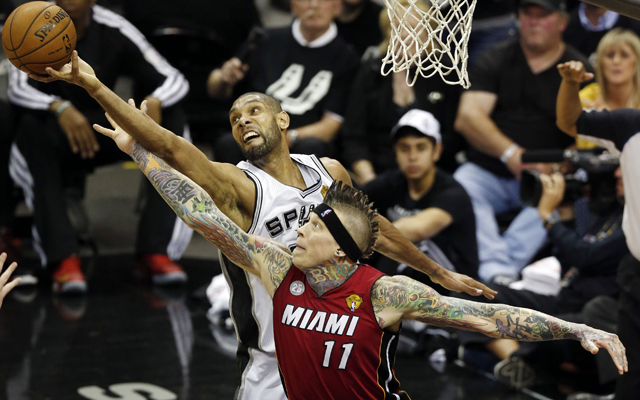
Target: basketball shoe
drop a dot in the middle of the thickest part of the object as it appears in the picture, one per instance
(68, 277)
(161, 269)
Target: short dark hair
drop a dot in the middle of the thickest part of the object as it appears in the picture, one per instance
(358, 215)
(273, 104)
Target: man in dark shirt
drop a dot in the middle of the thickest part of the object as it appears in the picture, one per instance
(358, 24)
(510, 108)
(589, 23)
(426, 204)
(306, 67)
(56, 147)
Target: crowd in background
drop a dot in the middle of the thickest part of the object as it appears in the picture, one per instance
(447, 166)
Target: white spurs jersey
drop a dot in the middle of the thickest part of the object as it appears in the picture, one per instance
(279, 211)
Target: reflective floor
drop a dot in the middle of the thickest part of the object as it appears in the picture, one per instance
(128, 340)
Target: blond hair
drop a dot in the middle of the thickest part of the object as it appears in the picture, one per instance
(612, 38)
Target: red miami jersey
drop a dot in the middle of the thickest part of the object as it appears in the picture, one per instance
(331, 346)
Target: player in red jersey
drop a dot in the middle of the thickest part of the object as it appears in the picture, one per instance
(336, 320)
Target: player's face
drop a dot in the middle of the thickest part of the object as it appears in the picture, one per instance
(77, 9)
(416, 156)
(410, 27)
(540, 29)
(314, 245)
(316, 15)
(619, 64)
(254, 127)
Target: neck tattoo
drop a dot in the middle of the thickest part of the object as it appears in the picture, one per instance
(326, 277)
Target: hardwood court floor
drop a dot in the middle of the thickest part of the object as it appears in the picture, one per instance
(126, 336)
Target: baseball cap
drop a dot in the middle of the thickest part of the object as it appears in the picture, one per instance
(422, 121)
(551, 5)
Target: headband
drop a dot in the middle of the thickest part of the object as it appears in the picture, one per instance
(339, 232)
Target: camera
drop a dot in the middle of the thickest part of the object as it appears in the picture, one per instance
(593, 177)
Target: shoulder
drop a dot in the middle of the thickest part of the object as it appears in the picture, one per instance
(336, 169)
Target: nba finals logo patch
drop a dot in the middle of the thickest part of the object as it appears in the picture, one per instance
(296, 288)
(353, 302)
(324, 190)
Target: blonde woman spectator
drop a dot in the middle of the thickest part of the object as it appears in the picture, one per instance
(4, 286)
(617, 75)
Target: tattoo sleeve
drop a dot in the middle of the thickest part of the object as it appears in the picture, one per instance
(401, 297)
(197, 209)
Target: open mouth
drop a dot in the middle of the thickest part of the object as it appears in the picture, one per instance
(249, 135)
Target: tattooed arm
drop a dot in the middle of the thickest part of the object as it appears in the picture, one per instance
(396, 298)
(263, 257)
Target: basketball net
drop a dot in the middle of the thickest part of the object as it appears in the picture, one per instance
(429, 42)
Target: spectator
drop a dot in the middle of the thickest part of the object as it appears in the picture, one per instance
(589, 23)
(617, 73)
(45, 165)
(589, 263)
(494, 21)
(508, 110)
(377, 102)
(358, 24)
(426, 204)
(306, 67)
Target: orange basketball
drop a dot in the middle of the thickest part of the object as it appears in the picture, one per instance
(37, 35)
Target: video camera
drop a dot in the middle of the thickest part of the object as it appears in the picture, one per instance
(594, 170)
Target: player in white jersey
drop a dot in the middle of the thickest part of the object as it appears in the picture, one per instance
(280, 210)
(259, 126)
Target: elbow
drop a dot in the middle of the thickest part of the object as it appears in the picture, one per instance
(461, 124)
(567, 127)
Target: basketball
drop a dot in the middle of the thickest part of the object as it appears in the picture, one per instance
(38, 35)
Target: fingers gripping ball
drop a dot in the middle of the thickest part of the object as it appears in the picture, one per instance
(38, 35)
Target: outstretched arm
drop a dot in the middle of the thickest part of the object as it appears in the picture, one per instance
(399, 297)
(261, 256)
(394, 245)
(175, 150)
(568, 106)
(5, 287)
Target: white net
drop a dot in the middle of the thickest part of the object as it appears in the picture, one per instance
(429, 40)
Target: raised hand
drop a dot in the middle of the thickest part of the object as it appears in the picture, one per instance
(76, 71)
(594, 339)
(124, 141)
(574, 71)
(5, 287)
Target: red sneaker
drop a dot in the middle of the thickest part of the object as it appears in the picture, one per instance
(162, 269)
(68, 277)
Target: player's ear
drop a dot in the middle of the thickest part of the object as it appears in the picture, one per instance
(283, 120)
(437, 152)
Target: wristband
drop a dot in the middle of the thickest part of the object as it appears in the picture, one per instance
(551, 219)
(65, 104)
(506, 155)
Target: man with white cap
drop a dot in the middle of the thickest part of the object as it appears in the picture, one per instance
(426, 204)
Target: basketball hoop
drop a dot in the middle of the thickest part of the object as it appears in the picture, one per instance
(429, 42)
